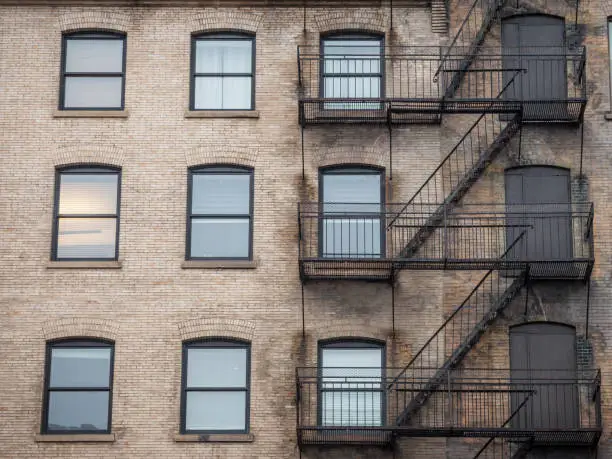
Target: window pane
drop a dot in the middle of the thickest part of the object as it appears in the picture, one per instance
(352, 358)
(74, 367)
(216, 411)
(352, 189)
(351, 408)
(219, 194)
(94, 55)
(78, 410)
(92, 92)
(88, 194)
(223, 56)
(86, 238)
(223, 93)
(216, 368)
(220, 237)
(353, 88)
(352, 56)
(355, 237)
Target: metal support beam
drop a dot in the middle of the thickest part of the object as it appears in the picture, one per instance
(588, 308)
(302, 140)
(303, 315)
(581, 147)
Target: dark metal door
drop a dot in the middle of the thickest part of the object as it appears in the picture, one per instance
(536, 43)
(543, 359)
(538, 202)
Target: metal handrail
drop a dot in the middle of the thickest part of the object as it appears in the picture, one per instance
(455, 312)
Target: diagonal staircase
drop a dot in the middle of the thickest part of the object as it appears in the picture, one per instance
(467, 42)
(458, 334)
(454, 176)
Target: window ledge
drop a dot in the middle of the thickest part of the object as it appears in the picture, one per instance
(90, 114)
(218, 264)
(221, 114)
(111, 264)
(87, 438)
(608, 116)
(212, 438)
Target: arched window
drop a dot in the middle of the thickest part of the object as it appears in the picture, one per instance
(351, 200)
(352, 69)
(86, 215)
(220, 216)
(78, 387)
(351, 383)
(93, 71)
(215, 386)
(222, 72)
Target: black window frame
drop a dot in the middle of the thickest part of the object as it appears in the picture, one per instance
(88, 35)
(352, 169)
(78, 343)
(221, 36)
(84, 169)
(215, 343)
(609, 33)
(352, 35)
(352, 343)
(220, 169)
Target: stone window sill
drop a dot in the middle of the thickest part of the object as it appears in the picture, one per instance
(90, 114)
(84, 438)
(214, 438)
(219, 264)
(84, 264)
(221, 114)
(608, 116)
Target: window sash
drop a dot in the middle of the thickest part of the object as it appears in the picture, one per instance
(60, 216)
(107, 389)
(222, 75)
(215, 345)
(111, 74)
(191, 217)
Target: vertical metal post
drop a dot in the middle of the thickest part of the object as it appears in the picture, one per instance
(581, 147)
(303, 315)
(390, 197)
(302, 139)
(393, 309)
(391, 13)
(588, 308)
(520, 142)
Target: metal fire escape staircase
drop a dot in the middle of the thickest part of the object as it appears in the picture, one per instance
(489, 134)
(459, 333)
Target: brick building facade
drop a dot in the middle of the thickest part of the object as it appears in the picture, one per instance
(445, 138)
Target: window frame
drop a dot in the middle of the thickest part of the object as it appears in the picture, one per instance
(88, 35)
(84, 169)
(221, 36)
(80, 343)
(219, 169)
(351, 343)
(609, 30)
(351, 169)
(352, 35)
(215, 343)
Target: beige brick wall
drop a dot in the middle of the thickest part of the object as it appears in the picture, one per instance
(150, 305)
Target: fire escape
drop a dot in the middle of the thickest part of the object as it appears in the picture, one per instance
(433, 395)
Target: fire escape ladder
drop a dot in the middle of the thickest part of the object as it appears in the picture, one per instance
(462, 51)
(448, 346)
(454, 176)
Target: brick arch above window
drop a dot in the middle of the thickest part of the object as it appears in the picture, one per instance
(76, 19)
(88, 154)
(353, 19)
(325, 157)
(82, 327)
(204, 155)
(226, 19)
(216, 327)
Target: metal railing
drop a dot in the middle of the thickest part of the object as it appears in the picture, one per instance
(407, 84)
(342, 239)
(361, 405)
